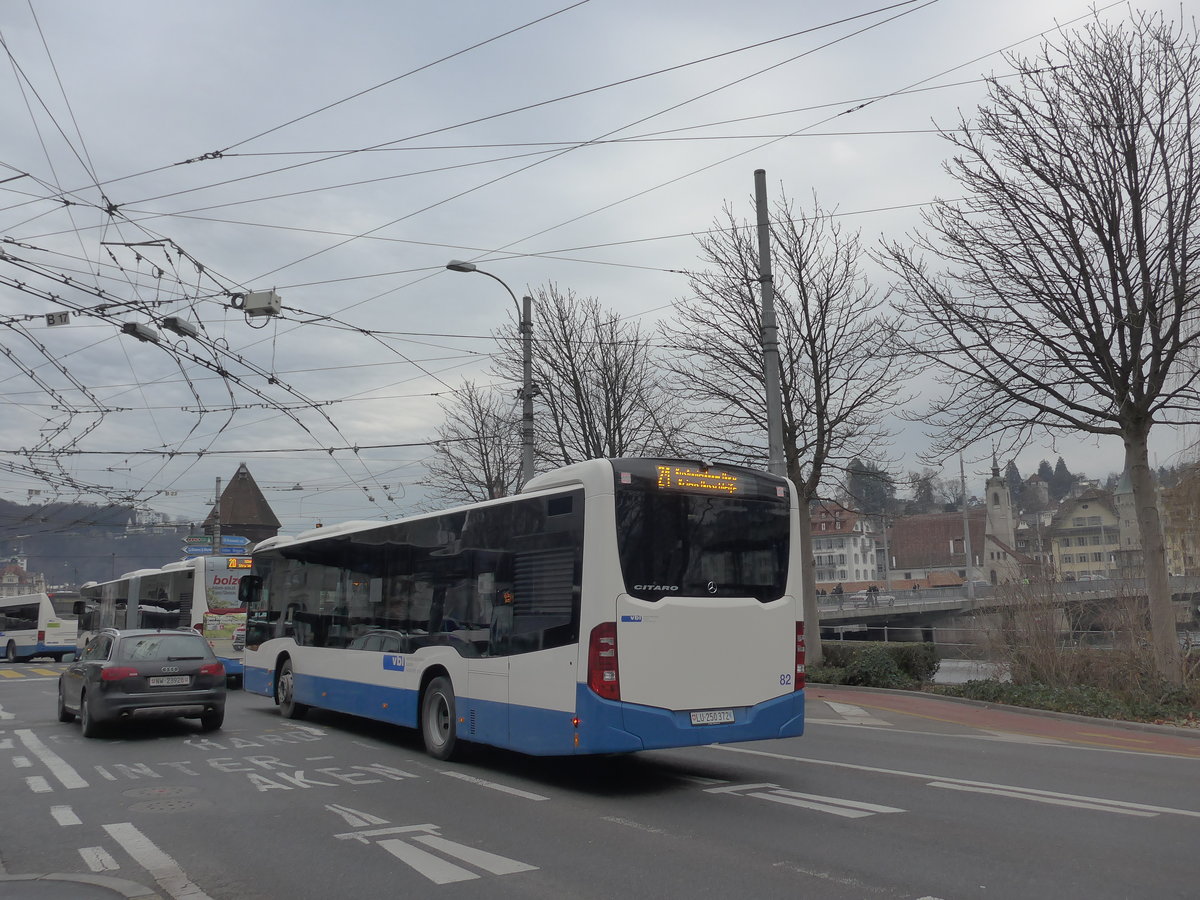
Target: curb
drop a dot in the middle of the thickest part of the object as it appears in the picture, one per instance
(128, 889)
(1148, 727)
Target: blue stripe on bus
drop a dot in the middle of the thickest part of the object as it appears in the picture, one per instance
(605, 726)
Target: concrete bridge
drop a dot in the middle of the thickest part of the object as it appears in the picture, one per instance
(958, 623)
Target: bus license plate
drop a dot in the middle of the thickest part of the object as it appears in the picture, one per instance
(169, 680)
(712, 717)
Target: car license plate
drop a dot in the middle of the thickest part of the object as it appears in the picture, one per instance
(712, 717)
(169, 680)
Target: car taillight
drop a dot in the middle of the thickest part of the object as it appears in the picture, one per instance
(212, 669)
(798, 681)
(602, 662)
(116, 673)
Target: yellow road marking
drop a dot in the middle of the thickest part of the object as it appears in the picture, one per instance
(9, 673)
(1113, 737)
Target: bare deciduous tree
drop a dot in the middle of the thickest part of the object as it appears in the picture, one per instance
(478, 454)
(1063, 296)
(837, 379)
(598, 383)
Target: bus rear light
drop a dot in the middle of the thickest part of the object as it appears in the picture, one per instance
(603, 676)
(798, 681)
(117, 673)
(41, 637)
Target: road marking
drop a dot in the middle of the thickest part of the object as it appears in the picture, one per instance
(64, 816)
(1019, 794)
(98, 859)
(38, 784)
(435, 868)
(6, 715)
(9, 673)
(481, 859)
(1191, 813)
(516, 792)
(56, 764)
(22, 762)
(855, 714)
(1114, 737)
(848, 809)
(50, 672)
(353, 817)
(170, 877)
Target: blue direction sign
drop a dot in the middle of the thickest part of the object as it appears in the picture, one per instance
(234, 540)
(196, 550)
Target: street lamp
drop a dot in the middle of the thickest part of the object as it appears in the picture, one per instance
(525, 310)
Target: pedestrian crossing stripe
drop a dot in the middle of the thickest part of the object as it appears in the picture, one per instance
(24, 673)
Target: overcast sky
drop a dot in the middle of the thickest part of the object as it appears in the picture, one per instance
(173, 154)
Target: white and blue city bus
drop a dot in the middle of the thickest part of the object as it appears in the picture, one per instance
(612, 606)
(33, 625)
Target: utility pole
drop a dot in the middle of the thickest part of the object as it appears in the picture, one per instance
(776, 464)
(962, 477)
(216, 535)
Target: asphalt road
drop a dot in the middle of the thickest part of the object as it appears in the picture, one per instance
(887, 795)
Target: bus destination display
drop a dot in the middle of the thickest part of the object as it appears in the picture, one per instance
(689, 478)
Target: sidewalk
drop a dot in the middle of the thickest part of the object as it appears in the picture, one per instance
(1104, 733)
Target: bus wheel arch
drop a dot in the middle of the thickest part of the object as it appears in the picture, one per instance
(438, 724)
(285, 690)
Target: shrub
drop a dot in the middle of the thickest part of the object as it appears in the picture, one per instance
(916, 662)
(874, 666)
(826, 675)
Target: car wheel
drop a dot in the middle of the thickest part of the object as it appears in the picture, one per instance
(285, 693)
(437, 719)
(64, 714)
(10, 652)
(87, 722)
(211, 721)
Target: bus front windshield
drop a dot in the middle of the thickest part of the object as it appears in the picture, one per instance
(676, 543)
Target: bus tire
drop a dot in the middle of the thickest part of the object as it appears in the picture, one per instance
(437, 719)
(88, 724)
(64, 714)
(285, 694)
(10, 652)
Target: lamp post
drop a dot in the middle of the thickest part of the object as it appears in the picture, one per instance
(525, 311)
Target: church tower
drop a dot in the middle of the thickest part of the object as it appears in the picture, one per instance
(999, 556)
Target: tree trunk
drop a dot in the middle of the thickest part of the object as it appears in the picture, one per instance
(1165, 642)
(808, 585)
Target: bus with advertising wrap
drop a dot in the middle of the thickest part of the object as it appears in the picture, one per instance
(612, 606)
(199, 593)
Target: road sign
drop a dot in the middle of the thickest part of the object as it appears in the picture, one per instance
(196, 550)
(234, 540)
(198, 539)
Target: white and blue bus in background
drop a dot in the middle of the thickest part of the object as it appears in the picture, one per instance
(31, 626)
(612, 606)
(199, 593)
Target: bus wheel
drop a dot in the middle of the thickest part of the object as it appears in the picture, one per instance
(285, 694)
(10, 652)
(437, 719)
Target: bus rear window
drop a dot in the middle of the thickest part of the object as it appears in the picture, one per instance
(678, 543)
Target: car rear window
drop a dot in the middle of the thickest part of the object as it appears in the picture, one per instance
(163, 646)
